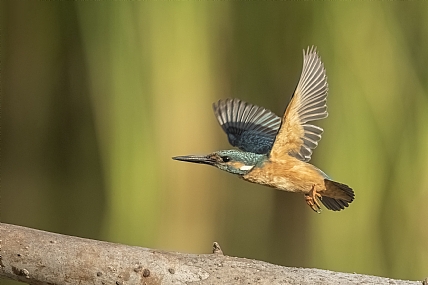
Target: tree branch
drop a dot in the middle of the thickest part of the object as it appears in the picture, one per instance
(39, 257)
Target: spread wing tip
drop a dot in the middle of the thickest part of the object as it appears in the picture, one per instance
(309, 103)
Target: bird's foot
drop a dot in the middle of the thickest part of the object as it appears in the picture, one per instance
(312, 199)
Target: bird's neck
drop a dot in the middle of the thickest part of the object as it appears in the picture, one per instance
(251, 160)
(254, 158)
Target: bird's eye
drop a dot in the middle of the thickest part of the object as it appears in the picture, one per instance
(225, 158)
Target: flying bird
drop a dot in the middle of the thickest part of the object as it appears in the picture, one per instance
(276, 152)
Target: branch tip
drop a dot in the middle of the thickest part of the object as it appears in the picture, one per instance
(217, 248)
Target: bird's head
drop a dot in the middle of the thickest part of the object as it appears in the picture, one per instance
(232, 161)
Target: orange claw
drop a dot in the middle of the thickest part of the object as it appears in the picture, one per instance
(312, 199)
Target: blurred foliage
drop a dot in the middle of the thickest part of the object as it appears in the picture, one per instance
(98, 96)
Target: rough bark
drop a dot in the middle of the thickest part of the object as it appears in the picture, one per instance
(39, 257)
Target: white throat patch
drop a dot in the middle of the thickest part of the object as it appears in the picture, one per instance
(246, 167)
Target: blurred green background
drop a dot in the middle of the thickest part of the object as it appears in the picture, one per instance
(98, 96)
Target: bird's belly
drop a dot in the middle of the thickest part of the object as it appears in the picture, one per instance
(278, 182)
(286, 184)
(300, 178)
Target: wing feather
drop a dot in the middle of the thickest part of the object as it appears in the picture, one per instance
(248, 127)
(308, 103)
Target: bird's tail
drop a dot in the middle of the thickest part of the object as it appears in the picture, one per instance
(337, 196)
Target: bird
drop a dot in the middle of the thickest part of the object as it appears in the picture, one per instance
(276, 151)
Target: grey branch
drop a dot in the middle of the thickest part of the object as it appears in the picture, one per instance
(39, 257)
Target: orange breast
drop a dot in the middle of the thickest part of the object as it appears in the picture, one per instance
(289, 174)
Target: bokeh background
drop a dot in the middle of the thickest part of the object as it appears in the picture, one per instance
(98, 96)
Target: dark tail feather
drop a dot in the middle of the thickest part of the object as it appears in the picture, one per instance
(337, 196)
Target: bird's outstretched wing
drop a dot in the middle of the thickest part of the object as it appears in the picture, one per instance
(248, 127)
(308, 103)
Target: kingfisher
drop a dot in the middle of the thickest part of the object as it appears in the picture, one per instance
(276, 151)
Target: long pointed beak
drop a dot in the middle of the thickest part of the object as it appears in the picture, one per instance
(196, 159)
